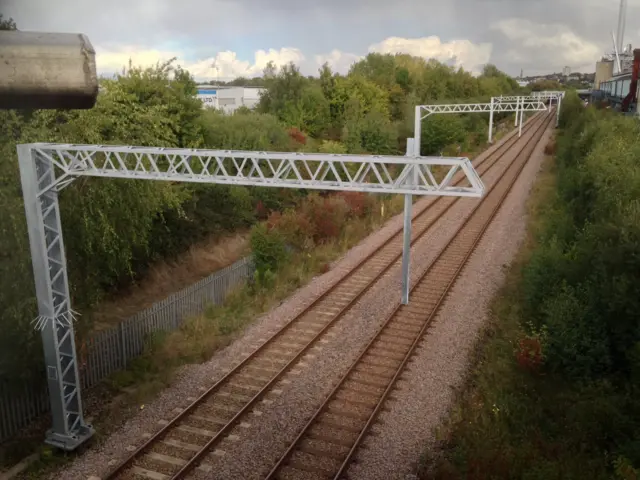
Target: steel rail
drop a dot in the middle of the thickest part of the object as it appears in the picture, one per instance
(282, 462)
(489, 158)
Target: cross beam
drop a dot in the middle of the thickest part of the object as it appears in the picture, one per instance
(549, 96)
(528, 98)
(423, 111)
(548, 93)
(46, 168)
(362, 173)
(533, 105)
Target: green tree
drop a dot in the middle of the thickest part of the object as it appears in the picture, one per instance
(7, 24)
(294, 99)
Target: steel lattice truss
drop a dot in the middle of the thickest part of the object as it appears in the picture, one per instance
(546, 95)
(365, 173)
(532, 105)
(45, 169)
(516, 98)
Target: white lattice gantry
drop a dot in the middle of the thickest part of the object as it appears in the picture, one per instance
(364, 173)
(519, 106)
(45, 169)
(532, 105)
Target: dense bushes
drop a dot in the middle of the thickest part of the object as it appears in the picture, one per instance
(317, 220)
(583, 281)
(565, 404)
(371, 110)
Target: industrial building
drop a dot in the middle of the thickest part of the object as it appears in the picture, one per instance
(228, 99)
(616, 78)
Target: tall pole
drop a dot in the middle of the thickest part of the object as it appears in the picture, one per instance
(521, 116)
(558, 111)
(491, 120)
(413, 149)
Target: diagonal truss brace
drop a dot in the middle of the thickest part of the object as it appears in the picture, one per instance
(527, 98)
(532, 105)
(364, 173)
(45, 169)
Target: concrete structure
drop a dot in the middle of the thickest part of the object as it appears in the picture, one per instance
(47, 70)
(228, 99)
(604, 72)
(566, 71)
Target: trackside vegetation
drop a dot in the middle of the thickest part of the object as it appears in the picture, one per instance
(116, 230)
(555, 390)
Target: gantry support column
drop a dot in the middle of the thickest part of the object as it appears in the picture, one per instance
(55, 318)
(413, 148)
(491, 122)
(521, 119)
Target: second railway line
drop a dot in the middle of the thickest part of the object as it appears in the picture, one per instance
(185, 441)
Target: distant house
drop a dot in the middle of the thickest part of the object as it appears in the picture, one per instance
(228, 99)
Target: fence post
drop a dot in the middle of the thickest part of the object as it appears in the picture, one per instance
(123, 344)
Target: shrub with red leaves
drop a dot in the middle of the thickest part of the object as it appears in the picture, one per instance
(550, 148)
(328, 214)
(297, 136)
(261, 211)
(357, 203)
(297, 229)
(529, 354)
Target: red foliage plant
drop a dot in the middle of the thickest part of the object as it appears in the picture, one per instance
(356, 201)
(529, 354)
(328, 215)
(297, 136)
(550, 148)
(261, 211)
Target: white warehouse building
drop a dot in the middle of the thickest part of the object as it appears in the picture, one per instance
(228, 99)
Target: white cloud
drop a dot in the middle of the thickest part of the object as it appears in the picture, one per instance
(552, 44)
(337, 60)
(462, 53)
(110, 60)
(228, 65)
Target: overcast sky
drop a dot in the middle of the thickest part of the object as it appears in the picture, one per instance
(241, 36)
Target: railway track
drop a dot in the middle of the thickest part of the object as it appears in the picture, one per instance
(326, 445)
(182, 443)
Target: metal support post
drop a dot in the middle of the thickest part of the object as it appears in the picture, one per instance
(515, 122)
(406, 248)
(406, 240)
(491, 121)
(558, 112)
(55, 318)
(521, 118)
(417, 131)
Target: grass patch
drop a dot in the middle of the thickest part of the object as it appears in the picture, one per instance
(511, 420)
